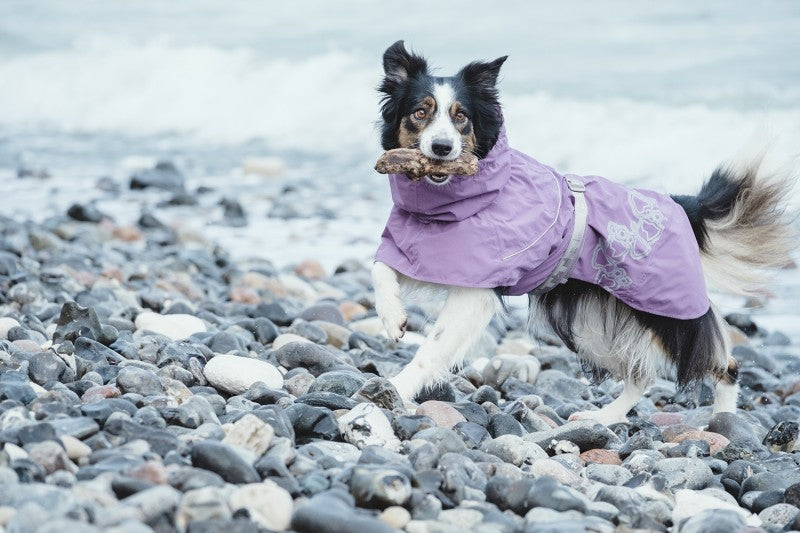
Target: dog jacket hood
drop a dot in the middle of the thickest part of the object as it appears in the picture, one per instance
(510, 224)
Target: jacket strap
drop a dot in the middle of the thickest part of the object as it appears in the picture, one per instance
(561, 272)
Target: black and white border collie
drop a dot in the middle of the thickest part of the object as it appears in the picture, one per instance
(737, 220)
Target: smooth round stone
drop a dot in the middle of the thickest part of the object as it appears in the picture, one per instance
(139, 381)
(406, 426)
(176, 327)
(333, 511)
(75, 448)
(197, 505)
(444, 414)
(684, 472)
(713, 520)
(327, 312)
(234, 374)
(379, 487)
(781, 514)
(715, 441)
(473, 434)
(285, 338)
(313, 357)
(608, 474)
(395, 516)
(504, 424)
(223, 460)
(46, 366)
(512, 449)
(7, 323)
(153, 502)
(268, 504)
(338, 381)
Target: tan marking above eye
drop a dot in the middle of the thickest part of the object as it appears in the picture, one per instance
(457, 113)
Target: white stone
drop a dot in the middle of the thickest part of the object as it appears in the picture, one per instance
(555, 470)
(285, 338)
(267, 503)
(395, 516)
(75, 448)
(235, 374)
(365, 425)
(15, 452)
(690, 502)
(263, 166)
(202, 504)
(371, 326)
(463, 518)
(249, 432)
(6, 323)
(175, 327)
(512, 449)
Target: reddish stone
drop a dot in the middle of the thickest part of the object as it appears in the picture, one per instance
(244, 295)
(671, 432)
(152, 471)
(127, 233)
(715, 441)
(444, 414)
(351, 310)
(600, 456)
(547, 420)
(310, 269)
(666, 419)
(100, 391)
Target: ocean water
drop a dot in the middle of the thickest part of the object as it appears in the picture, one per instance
(651, 94)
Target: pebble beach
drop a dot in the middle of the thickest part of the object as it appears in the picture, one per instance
(188, 339)
(151, 380)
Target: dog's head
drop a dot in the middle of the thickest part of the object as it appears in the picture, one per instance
(442, 116)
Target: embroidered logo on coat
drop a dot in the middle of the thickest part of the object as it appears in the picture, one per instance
(633, 242)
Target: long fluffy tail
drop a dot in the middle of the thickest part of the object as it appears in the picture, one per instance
(742, 225)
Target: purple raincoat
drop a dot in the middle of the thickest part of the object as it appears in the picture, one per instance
(510, 224)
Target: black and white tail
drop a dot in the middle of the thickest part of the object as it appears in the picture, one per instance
(743, 226)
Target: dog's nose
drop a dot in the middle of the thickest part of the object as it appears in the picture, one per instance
(441, 147)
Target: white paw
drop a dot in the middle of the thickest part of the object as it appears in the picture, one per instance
(393, 315)
(407, 383)
(603, 417)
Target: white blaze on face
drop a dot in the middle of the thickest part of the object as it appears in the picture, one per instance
(441, 130)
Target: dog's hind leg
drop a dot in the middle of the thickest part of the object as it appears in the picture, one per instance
(726, 392)
(617, 410)
(465, 315)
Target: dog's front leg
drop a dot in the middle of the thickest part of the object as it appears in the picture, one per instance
(388, 303)
(465, 315)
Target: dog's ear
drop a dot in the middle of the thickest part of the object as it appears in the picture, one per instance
(483, 74)
(399, 64)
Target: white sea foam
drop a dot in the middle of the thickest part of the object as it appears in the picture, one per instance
(326, 104)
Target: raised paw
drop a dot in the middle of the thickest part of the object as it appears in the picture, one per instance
(394, 318)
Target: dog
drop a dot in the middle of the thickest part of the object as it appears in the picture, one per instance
(618, 274)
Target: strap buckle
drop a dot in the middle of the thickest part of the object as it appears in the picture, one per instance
(576, 185)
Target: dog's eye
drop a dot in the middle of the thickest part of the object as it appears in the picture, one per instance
(420, 114)
(460, 117)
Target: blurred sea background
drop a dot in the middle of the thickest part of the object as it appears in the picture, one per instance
(651, 94)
